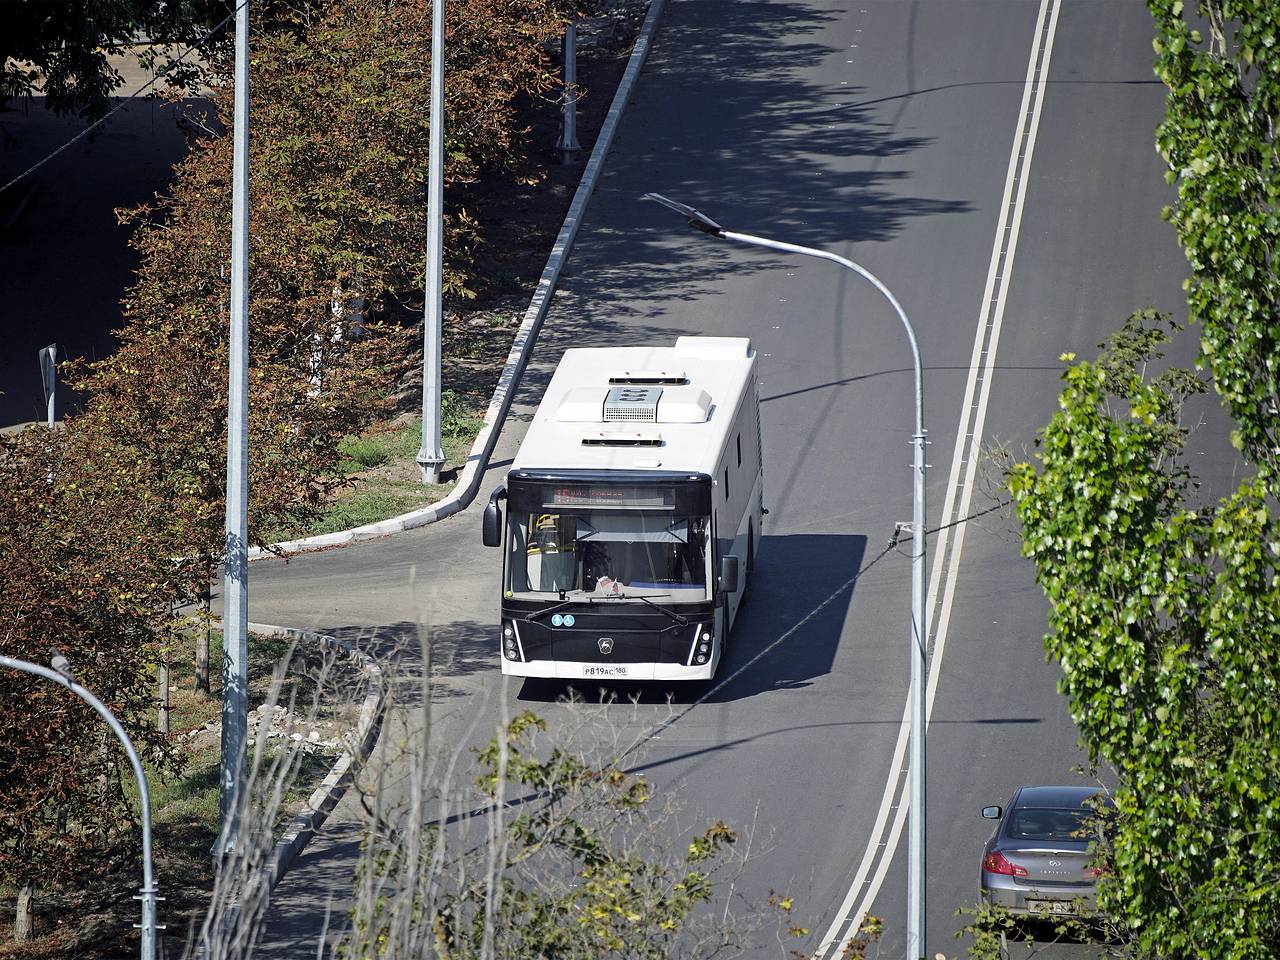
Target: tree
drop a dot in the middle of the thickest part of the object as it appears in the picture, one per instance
(60, 49)
(337, 186)
(1164, 611)
(569, 862)
(1165, 618)
(1219, 140)
(86, 569)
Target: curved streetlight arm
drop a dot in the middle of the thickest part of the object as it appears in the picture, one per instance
(862, 272)
(917, 632)
(148, 892)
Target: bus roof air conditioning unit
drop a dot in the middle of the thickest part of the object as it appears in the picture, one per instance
(632, 403)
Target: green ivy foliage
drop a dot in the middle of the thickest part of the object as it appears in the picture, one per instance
(1165, 619)
(1221, 63)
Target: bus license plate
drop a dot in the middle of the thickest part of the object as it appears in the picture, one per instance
(604, 671)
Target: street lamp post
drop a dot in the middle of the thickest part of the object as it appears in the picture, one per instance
(917, 635)
(235, 578)
(430, 457)
(568, 144)
(147, 894)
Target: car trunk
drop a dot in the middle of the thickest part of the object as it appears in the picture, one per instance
(1049, 865)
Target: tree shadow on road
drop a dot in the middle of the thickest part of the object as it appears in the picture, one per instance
(458, 650)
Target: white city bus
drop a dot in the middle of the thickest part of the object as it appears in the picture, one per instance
(633, 513)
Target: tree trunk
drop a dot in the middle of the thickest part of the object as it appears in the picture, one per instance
(162, 722)
(202, 645)
(24, 920)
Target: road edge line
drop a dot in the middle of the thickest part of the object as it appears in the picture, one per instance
(1033, 95)
(526, 338)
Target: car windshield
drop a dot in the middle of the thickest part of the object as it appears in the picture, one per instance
(607, 553)
(1047, 824)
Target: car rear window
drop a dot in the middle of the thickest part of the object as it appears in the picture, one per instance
(1034, 824)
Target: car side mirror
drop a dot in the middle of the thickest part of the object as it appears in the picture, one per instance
(492, 523)
(729, 574)
(992, 813)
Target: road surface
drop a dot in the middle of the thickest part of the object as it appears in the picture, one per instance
(884, 131)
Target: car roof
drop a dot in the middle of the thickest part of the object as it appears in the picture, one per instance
(1057, 797)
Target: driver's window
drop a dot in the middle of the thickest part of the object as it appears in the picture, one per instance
(549, 549)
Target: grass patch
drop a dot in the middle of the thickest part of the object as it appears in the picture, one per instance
(383, 476)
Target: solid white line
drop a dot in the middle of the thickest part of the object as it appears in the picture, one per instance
(966, 456)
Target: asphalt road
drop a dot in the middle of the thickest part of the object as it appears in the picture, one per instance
(883, 131)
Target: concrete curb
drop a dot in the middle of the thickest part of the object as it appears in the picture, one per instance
(326, 796)
(261, 882)
(526, 337)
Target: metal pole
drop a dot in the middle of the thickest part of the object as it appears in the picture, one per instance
(49, 375)
(917, 635)
(235, 582)
(919, 667)
(568, 145)
(430, 454)
(148, 892)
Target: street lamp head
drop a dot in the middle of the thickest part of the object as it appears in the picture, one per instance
(699, 221)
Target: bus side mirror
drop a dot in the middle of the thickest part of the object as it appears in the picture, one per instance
(729, 574)
(492, 526)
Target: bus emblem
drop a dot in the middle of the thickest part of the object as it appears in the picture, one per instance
(606, 645)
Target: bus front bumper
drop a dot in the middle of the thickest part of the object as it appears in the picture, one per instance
(569, 670)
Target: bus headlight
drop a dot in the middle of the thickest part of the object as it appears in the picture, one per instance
(699, 648)
(510, 648)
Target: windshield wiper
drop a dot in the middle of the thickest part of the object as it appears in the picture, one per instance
(617, 596)
(670, 613)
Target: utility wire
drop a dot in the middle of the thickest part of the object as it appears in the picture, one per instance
(125, 103)
(656, 729)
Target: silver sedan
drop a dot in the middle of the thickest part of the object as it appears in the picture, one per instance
(1037, 862)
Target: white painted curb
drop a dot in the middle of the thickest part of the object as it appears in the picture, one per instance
(262, 881)
(526, 337)
(326, 796)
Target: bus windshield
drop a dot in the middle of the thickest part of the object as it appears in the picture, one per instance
(607, 553)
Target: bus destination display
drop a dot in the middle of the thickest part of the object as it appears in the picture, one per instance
(612, 495)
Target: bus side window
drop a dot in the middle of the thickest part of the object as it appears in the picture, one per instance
(739, 449)
(726, 483)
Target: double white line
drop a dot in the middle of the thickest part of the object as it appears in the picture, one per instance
(879, 852)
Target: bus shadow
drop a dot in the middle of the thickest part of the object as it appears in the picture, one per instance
(786, 634)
